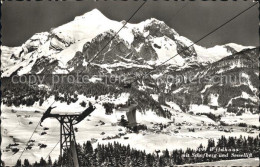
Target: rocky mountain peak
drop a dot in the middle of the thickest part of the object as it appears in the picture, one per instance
(159, 28)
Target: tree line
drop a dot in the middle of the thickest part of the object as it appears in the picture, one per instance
(116, 154)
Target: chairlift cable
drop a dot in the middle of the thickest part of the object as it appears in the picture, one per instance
(32, 135)
(52, 149)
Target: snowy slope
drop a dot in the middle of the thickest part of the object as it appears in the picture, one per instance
(215, 53)
(7, 59)
(88, 26)
(16, 129)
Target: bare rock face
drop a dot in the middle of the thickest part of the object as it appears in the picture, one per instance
(77, 60)
(230, 49)
(44, 66)
(35, 41)
(158, 29)
(148, 53)
(58, 42)
(185, 51)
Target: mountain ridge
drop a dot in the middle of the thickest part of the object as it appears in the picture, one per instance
(158, 39)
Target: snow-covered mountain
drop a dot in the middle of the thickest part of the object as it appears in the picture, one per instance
(229, 82)
(218, 85)
(69, 49)
(72, 45)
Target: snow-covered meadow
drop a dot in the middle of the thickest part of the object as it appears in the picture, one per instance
(18, 124)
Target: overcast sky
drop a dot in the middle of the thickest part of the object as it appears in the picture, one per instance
(20, 20)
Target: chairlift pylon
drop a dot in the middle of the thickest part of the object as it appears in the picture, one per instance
(67, 135)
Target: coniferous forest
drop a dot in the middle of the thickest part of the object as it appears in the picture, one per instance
(118, 155)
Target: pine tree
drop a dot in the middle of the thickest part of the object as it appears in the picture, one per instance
(161, 163)
(94, 161)
(99, 156)
(26, 163)
(239, 142)
(149, 160)
(2, 163)
(42, 162)
(35, 164)
(55, 163)
(231, 142)
(49, 161)
(245, 145)
(41, 101)
(88, 149)
(18, 163)
(166, 154)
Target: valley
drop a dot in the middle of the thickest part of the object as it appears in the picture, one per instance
(16, 128)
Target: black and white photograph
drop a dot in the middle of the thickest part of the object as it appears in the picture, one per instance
(137, 83)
